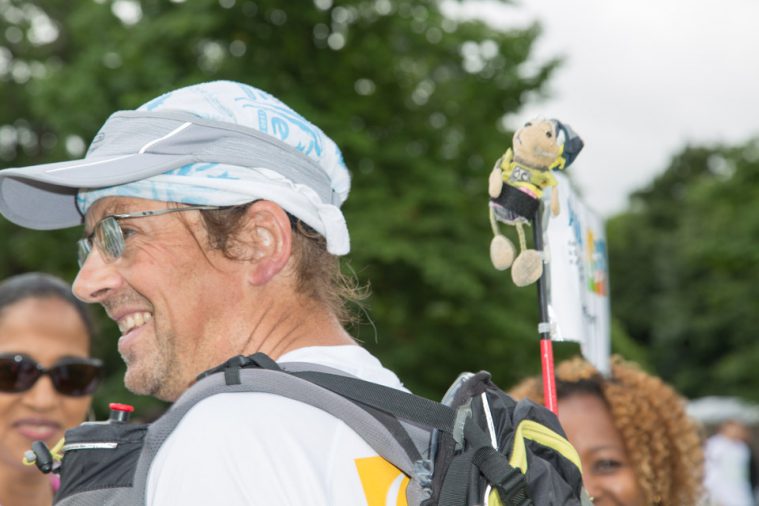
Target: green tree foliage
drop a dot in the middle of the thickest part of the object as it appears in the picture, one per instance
(684, 266)
(414, 99)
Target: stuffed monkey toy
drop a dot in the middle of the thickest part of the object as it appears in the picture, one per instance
(516, 187)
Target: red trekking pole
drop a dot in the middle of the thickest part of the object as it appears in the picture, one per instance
(544, 326)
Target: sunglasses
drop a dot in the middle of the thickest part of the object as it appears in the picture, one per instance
(108, 235)
(74, 377)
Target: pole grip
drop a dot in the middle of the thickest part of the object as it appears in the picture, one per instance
(549, 380)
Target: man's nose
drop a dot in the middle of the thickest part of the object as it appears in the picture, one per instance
(96, 278)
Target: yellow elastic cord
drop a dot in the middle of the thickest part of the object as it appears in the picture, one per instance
(529, 429)
(57, 450)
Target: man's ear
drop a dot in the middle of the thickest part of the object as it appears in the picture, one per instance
(268, 236)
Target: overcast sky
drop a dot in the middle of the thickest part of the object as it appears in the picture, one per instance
(641, 79)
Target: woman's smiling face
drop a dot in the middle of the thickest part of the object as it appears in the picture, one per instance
(46, 330)
(608, 474)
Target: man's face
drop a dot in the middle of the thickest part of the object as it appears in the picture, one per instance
(173, 299)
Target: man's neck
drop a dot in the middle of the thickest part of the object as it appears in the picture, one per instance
(274, 324)
(299, 328)
(277, 325)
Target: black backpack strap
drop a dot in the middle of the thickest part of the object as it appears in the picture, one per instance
(395, 427)
(231, 367)
(413, 437)
(494, 466)
(509, 481)
(457, 478)
(403, 405)
(385, 404)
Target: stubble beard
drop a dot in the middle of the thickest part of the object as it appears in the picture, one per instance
(156, 371)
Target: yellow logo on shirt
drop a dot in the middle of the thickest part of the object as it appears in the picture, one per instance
(384, 484)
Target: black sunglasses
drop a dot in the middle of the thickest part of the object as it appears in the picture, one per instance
(74, 377)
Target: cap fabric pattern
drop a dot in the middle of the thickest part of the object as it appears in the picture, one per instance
(218, 143)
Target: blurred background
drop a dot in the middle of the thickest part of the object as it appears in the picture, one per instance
(423, 97)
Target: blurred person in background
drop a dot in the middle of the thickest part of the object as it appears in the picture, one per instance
(753, 473)
(46, 378)
(728, 465)
(636, 443)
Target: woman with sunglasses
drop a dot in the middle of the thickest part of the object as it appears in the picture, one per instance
(46, 377)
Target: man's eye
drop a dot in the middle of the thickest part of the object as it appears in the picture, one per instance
(606, 465)
(127, 232)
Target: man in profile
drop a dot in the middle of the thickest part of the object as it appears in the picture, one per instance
(212, 228)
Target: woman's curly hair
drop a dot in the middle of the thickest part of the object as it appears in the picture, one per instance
(663, 443)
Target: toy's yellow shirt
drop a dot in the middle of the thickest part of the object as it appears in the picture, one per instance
(529, 180)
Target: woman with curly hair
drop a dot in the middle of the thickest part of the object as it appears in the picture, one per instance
(636, 443)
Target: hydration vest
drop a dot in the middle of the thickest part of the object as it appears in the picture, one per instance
(476, 447)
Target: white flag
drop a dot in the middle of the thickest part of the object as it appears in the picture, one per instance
(577, 275)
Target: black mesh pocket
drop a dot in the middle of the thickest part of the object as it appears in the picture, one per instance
(100, 456)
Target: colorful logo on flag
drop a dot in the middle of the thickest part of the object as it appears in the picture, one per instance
(595, 259)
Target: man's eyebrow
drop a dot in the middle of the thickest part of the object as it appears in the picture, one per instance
(108, 210)
(115, 208)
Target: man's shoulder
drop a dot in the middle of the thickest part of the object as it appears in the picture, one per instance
(351, 359)
(254, 413)
(270, 412)
(234, 439)
(249, 446)
(260, 419)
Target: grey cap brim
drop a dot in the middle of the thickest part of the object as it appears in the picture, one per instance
(43, 197)
(136, 145)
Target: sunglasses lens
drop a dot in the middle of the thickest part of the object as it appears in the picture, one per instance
(110, 238)
(76, 378)
(83, 251)
(17, 374)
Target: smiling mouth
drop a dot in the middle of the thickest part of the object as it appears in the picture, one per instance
(133, 321)
(37, 429)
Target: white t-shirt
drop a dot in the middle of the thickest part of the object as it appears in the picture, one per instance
(262, 449)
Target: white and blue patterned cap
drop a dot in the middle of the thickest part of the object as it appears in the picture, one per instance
(217, 143)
